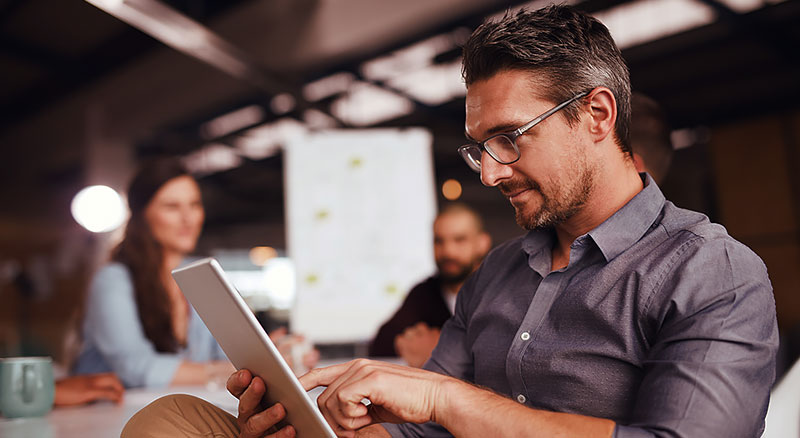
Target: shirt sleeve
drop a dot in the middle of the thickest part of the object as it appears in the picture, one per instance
(452, 355)
(712, 363)
(112, 324)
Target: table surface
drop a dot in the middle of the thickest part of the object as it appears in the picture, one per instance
(103, 419)
(106, 419)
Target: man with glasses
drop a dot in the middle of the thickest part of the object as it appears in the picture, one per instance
(618, 314)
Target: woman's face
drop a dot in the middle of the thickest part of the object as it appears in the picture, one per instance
(175, 215)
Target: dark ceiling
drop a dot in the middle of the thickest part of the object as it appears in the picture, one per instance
(61, 57)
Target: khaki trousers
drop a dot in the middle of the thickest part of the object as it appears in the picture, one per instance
(181, 415)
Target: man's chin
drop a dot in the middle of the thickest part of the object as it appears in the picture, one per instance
(525, 219)
(453, 278)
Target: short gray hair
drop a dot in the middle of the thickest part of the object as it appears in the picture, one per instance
(572, 50)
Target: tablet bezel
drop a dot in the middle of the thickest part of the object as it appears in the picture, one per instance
(247, 345)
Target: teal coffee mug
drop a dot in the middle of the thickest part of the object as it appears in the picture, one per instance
(26, 386)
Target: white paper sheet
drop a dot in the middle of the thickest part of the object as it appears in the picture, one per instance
(360, 208)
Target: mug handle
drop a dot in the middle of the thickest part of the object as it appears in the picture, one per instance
(28, 383)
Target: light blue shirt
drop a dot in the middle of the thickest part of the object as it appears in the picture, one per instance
(114, 339)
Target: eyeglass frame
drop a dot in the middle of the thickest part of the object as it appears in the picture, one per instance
(512, 135)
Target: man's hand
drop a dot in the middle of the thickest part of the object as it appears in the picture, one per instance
(403, 394)
(416, 344)
(77, 390)
(397, 394)
(254, 419)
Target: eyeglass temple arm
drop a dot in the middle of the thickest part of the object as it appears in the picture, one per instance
(528, 125)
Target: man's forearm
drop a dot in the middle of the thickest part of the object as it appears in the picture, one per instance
(471, 412)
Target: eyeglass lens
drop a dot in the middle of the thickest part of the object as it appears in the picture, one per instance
(502, 149)
(472, 155)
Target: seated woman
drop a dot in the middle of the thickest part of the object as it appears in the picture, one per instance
(138, 323)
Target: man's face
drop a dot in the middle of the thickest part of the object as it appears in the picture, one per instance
(554, 176)
(458, 246)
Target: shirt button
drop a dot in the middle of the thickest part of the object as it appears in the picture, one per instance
(521, 398)
(525, 336)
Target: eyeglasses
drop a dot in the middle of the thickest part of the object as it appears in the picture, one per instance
(503, 147)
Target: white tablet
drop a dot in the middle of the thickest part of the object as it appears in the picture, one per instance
(247, 345)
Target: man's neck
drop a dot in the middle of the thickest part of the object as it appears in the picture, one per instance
(452, 288)
(610, 194)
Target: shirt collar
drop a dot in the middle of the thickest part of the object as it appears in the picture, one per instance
(537, 244)
(631, 222)
(617, 233)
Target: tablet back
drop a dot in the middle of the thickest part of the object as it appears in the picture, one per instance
(247, 345)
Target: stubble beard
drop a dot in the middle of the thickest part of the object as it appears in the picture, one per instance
(557, 205)
(465, 269)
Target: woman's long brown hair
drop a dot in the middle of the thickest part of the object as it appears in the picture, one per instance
(144, 256)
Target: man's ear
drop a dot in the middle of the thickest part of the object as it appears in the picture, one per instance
(602, 112)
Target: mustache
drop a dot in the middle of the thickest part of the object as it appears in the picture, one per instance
(508, 188)
(444, 260)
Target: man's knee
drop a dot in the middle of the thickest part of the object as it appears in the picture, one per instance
(180, 415)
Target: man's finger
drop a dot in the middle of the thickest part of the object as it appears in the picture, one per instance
(258, 424)
(345, 406)
(238, 382)
(323, 376)
(354, 415)
(286, 432)
(250, 400)
(332, 377)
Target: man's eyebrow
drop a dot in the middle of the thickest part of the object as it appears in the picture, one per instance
(507, 127)
(494, 130)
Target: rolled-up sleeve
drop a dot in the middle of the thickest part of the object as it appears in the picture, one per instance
(710, 369)
(112, 326)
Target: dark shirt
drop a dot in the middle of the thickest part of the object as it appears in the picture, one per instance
(661, 322)
(425, 303)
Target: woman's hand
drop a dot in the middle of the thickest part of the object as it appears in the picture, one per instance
(78, 390)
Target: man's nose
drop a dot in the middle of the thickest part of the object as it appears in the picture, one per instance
(449, 249)
(492, 172)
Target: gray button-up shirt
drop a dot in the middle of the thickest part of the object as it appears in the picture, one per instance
(661, 322)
